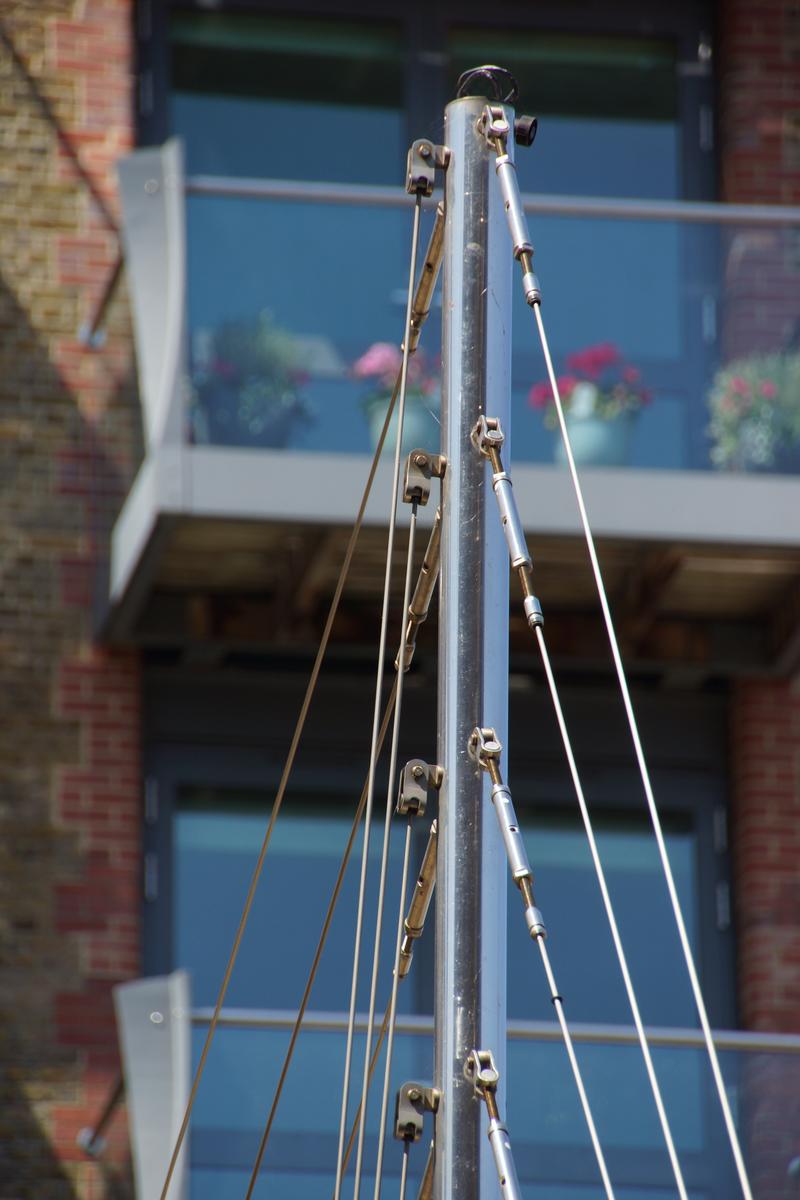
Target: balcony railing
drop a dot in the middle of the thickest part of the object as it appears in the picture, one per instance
(689, 311)
(553, 1154)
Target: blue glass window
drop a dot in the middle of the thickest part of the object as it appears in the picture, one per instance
(216, 837)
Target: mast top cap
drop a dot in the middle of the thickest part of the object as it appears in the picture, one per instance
(502, 83)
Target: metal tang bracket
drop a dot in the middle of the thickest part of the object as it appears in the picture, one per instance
(421, 467)
(424, 157)
(416, 780)
(413, 1101)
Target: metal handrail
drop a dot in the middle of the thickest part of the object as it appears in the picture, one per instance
(372, 195)
(518, 1031)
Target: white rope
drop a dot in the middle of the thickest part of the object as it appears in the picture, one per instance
(645, 776)
(612, 921)
(558, 1005)
(392, 1013)
(376, 712)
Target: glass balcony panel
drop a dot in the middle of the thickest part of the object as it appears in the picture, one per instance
(286, 918)
(579, 941)
(319, 283)
(548, 1133)
(288, 98)
(677, 341)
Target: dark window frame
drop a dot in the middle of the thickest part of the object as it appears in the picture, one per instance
(684, 22)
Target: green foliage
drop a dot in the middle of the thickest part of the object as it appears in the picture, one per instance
(755, 410)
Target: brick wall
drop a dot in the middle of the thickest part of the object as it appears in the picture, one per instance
(759, 125)
(69, 443)
(766, 853)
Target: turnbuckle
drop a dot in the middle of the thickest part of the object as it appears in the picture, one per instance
(484, 748)
(495, 128)
(487, 438)
(414, 922)
(426, 285)
(416, 778)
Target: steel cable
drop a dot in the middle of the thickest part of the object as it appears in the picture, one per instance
(337, 887)
(288, 765)
(404, 1170)
(612, 921)
(645, 775)
(377, 703)
(387, 1070)
(558, 1005)
(387, 829)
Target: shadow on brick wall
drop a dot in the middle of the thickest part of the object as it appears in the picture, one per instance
(62, 480)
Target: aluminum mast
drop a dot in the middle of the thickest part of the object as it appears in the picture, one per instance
(470, 995)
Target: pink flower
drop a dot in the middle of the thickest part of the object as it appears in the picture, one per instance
(539, 395)
(594, 359)
(740, 386)
(768, 389)
(631, 374)
(566, 385)
(382, 360)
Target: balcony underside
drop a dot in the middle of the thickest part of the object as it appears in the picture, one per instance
(222, 554)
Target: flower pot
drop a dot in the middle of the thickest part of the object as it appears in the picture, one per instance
(420, 425)
(224, 420)
(596, 442)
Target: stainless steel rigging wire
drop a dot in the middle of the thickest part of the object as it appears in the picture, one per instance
(645, 775)
(287, 769)
(404, 1170)
(387, 1070)
(387, 829)
(376, 709)
(276, 807)
(351, 1141)
(484, 749)
(337, 887)
(558, 1005)
(612, 921)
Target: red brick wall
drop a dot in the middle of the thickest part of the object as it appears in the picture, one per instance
(759, 82)
(766, 857)
(69, 444)
(766, 772)
(759, 123)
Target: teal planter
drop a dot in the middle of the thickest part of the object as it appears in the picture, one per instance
(420, 427)
(597, 443)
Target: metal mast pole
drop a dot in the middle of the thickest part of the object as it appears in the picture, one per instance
(470, 993)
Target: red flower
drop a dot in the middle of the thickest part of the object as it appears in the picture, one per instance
(592, 361)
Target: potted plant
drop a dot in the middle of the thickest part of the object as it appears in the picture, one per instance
(380, 366)
(247, 385)
(755, 411)
(602, 396)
